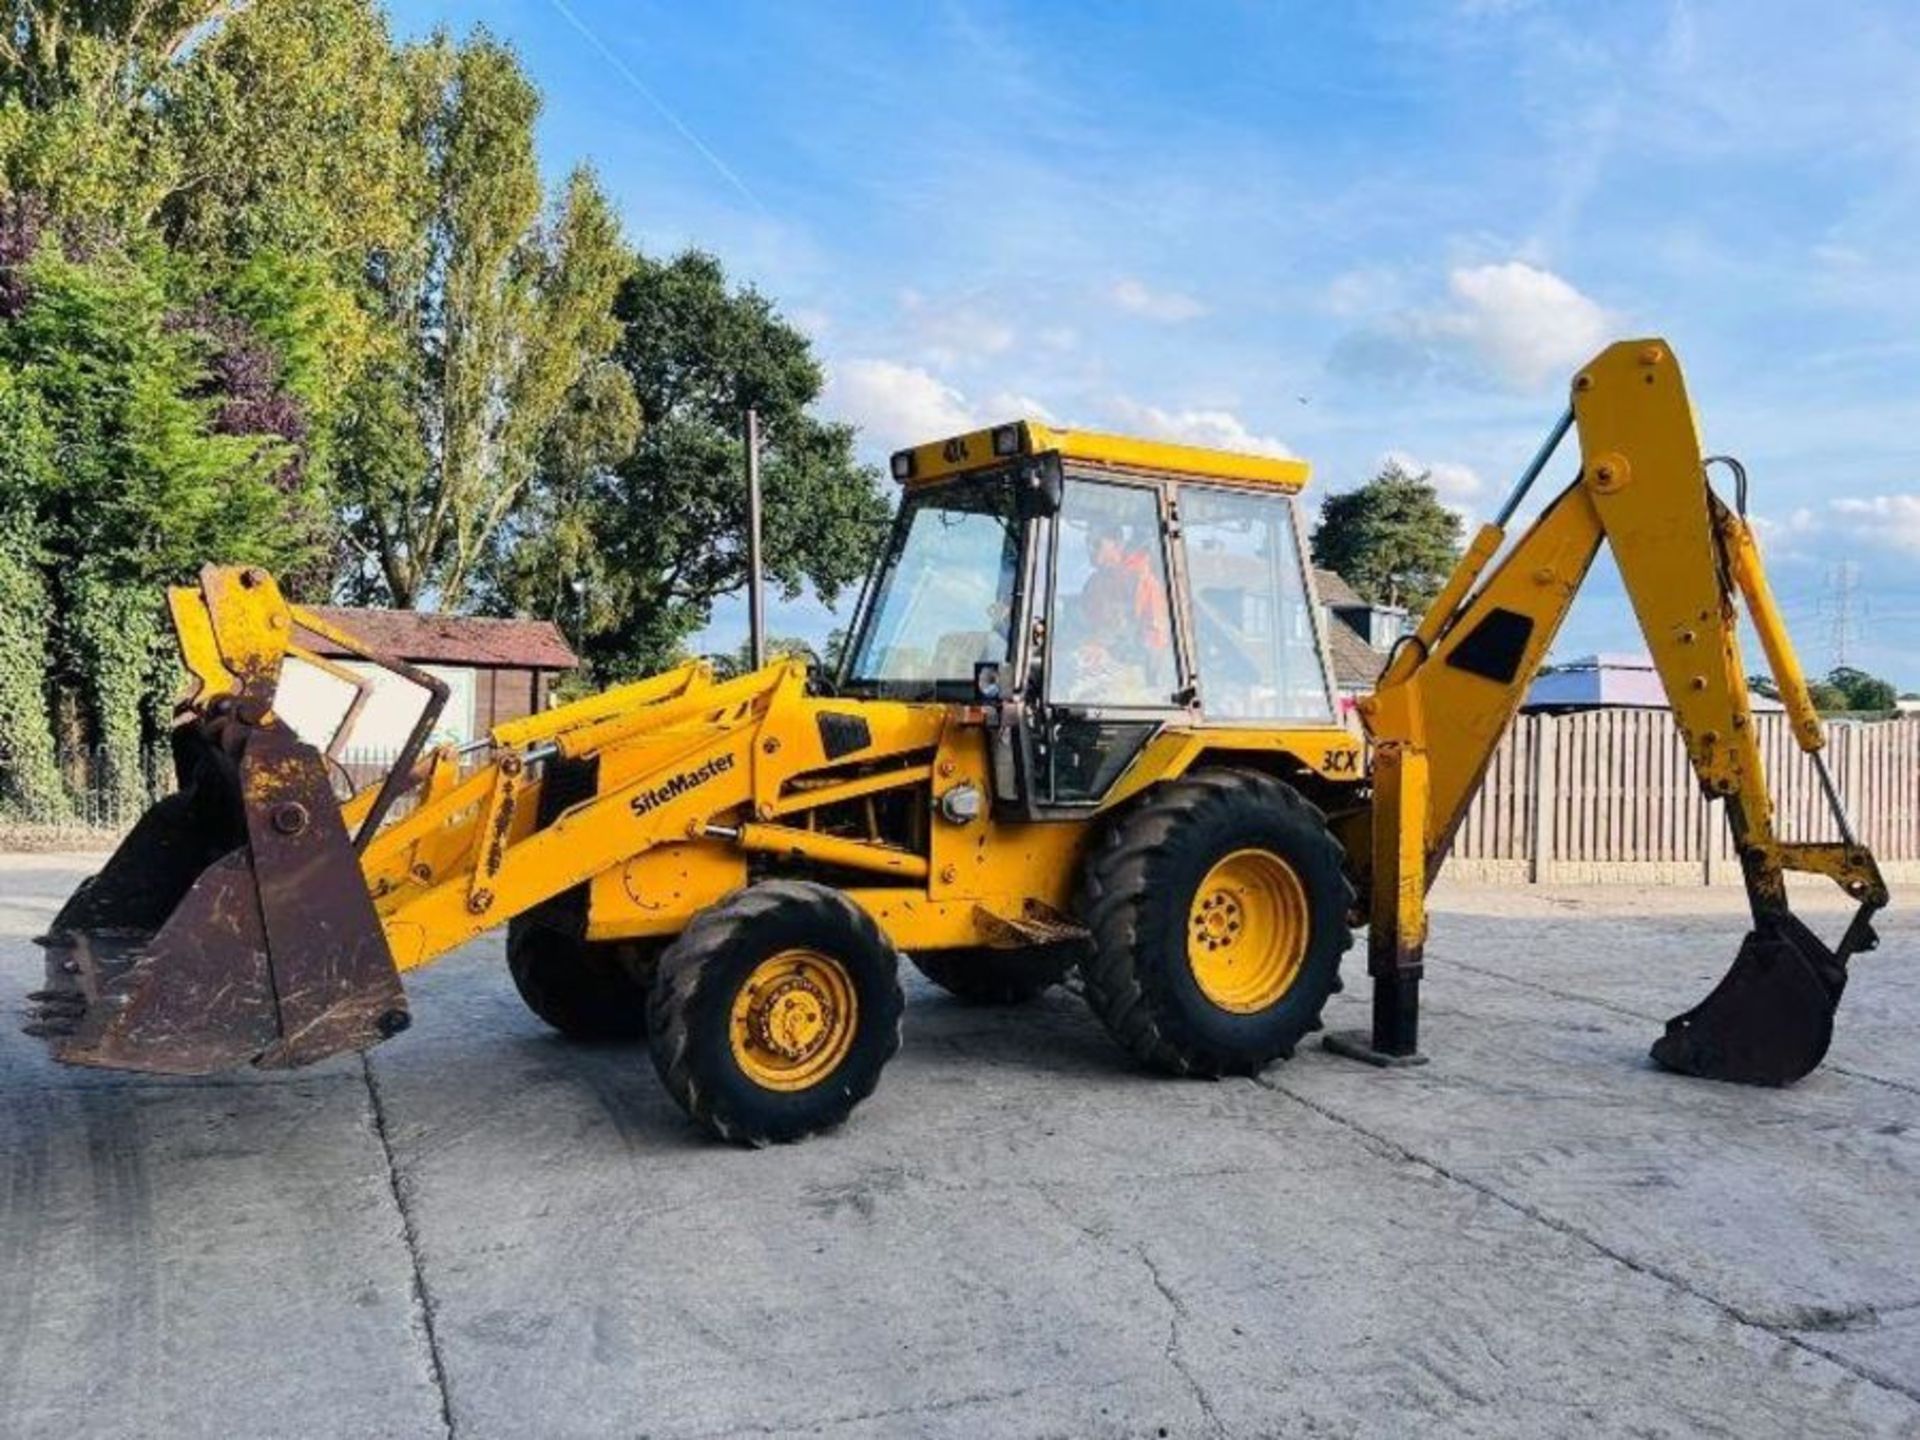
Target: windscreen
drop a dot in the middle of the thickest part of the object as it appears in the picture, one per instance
(943, 601)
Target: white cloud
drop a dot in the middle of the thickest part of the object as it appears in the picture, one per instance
(1138, 298)
(816, 323)
(1526, 324)
(1361, 292)
(1453, 482)
(1521, 324)
(957, 331)
(1841, 529)
(1889, 521)
(1004, 405)
(895, 405)
(1215, 429)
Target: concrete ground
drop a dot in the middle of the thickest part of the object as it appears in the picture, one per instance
(482, 1231)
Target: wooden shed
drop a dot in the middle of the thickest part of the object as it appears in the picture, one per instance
(496, 670)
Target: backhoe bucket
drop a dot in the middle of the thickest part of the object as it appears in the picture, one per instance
(1770, 1019)
(232, 926)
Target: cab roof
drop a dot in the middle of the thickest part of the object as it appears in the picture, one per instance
(983, 449)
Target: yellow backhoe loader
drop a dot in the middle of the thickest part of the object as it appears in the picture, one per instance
(1084, 721)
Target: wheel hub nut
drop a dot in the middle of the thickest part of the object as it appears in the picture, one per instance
(793, 1019)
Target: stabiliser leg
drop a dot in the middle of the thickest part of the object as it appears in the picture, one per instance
(1397, 924)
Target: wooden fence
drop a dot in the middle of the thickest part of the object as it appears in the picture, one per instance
(1605, 795)
(1608, 795)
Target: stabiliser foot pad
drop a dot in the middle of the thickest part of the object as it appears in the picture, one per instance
(1358, 1045)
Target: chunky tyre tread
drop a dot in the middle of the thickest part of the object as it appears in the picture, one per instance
(997, 977)
(586, 990)
(1120, 887)
(703, 968)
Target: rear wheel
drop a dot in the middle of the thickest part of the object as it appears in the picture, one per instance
(587, 990)
(773, 1014)
(997, 977)
(1219, 914)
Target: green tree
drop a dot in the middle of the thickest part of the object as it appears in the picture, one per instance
(739, 660)
(1827, 698)
(236, 126)
(83, 86)
(29, 779)
(503, 322)
(653, 540)
(1391, 539)
(290, 125)
(1861, 690)
(137, 431)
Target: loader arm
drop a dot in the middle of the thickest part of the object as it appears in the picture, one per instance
(1453, 687)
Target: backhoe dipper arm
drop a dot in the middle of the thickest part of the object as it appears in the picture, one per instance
(1454, 686)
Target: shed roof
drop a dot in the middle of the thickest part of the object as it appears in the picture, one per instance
(427, 639)
(1608, 681)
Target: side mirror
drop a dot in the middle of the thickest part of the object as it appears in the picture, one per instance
(1040, 487)
(986, 681)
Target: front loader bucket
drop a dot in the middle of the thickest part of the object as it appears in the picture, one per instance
(232, 926)
(1770, 1019)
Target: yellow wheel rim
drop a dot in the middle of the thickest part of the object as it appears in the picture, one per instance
(793, 1020)
(1247, 931)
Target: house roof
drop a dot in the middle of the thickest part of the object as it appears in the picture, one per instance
(1356, 664)
(1333, 589)
(1609, 681)
(427, 639)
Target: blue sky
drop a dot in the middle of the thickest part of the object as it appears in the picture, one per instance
(1343, 230)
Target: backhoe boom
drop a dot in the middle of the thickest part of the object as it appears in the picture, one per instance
(1453, 689)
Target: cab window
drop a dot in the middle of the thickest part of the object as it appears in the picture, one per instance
(1111, 641)
(1257, 655)
(943, 601)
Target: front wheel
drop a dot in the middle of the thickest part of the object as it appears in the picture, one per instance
(587, 990)
(773, 1014)
(1219, 915)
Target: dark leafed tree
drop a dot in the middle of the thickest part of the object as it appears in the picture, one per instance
(1843, 689)
(634, 554)
(189, 195)
(1827, 699)
(1862, 691)
(1391, 539)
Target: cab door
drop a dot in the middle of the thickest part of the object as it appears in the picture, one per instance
(1107, 666)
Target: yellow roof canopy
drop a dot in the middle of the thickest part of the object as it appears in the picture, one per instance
(983, 449)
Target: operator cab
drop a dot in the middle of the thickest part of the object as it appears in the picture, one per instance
(1088, 591)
